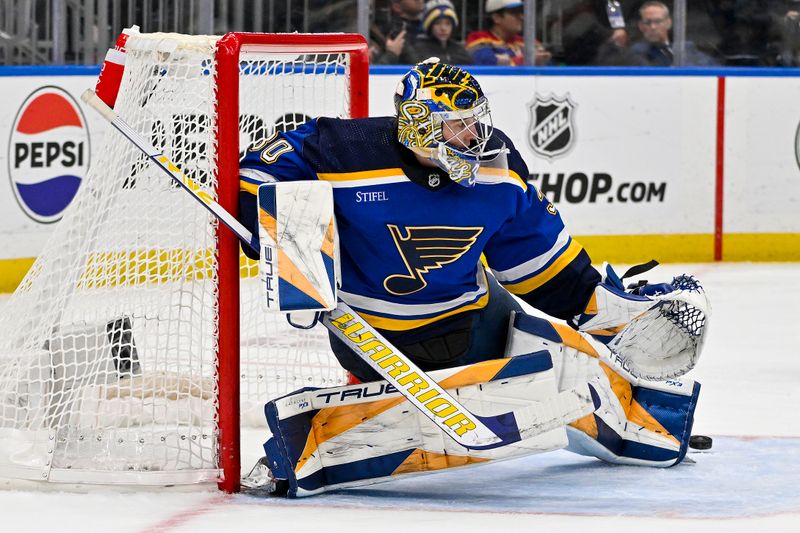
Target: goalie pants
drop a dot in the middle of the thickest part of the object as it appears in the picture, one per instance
(461, 340)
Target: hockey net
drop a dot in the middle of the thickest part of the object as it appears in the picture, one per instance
(120, 355)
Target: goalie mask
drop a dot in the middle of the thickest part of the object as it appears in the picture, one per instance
(442, 115)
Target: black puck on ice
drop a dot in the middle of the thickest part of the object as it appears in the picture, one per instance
(700, 442)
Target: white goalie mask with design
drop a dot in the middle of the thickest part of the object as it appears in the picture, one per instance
(443, 115)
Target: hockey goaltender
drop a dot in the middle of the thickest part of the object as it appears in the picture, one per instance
(439, 233)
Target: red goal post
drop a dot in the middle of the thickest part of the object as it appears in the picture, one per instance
(229, 49)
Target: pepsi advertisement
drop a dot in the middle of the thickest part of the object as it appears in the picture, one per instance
(47, 141)
(633, 159)
(48, 153)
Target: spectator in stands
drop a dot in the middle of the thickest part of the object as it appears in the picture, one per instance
(502, 44)
(594, 33)
(655, 47)
(790, 35)
(439, 22)
(395, 40)
(589, 31)
(749, 32)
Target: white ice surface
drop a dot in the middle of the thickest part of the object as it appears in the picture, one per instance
(749, 481)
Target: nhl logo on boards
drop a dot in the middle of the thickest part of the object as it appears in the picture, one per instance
(551, 130)
(48, 153)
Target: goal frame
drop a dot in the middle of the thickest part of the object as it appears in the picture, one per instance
(227, 165)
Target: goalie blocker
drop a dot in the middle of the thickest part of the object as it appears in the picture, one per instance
(324, 439)
(298, 248)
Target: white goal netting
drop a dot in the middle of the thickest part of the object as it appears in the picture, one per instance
(108, 348)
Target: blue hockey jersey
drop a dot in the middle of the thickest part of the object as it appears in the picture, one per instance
(411, 240)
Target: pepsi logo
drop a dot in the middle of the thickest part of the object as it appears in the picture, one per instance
(48, 153)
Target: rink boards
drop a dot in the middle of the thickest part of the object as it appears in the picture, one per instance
(679, 165)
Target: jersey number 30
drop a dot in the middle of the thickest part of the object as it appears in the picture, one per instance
(272, 151)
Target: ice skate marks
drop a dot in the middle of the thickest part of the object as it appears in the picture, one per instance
(740, 477)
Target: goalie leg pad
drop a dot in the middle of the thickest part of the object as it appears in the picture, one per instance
(637, 425)
(361, 434)
(634, 423)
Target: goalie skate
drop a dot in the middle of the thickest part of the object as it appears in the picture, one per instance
(261, 482)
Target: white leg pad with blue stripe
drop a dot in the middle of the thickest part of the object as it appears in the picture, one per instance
(635, 422)
(367, 433)
(362, 434)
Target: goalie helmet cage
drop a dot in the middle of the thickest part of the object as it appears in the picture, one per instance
(137, 344)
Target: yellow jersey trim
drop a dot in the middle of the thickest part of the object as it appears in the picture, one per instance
(526, 286)
(246, 186)
(360, 175)
(396, 324)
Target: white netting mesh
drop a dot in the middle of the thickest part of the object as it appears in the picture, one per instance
(107, 349)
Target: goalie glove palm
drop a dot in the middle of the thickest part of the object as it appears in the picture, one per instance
(655, 331)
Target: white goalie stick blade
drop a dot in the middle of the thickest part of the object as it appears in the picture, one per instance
(463, 426)
(466, 428)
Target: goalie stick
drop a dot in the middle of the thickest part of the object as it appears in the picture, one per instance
(463, 426)
(164, 163)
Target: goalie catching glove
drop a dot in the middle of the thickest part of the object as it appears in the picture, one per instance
(655, 331)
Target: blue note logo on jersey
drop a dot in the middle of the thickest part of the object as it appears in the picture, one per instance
(551, 131)
(48, 153)
(424, 248)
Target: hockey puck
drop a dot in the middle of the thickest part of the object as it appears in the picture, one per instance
(700, 442)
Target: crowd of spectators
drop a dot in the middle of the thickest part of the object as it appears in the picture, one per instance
(588, 32)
